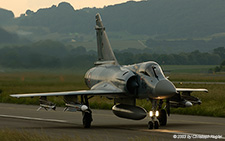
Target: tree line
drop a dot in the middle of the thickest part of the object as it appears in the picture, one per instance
(52, 54)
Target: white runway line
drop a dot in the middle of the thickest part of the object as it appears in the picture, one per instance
(33, 118)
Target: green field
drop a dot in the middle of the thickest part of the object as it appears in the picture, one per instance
(187, 68)
(14, 135)
(40, 81)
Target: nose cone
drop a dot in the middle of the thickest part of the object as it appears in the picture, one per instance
(165, 89)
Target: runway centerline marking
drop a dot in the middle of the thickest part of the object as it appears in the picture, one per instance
(33, 118)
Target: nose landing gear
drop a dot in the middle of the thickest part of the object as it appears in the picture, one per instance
(154, 123)
(158, 118)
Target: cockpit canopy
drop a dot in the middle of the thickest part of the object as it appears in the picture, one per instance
(151, 69)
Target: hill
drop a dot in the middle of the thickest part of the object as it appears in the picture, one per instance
(6, 37)
(6, 16)
(165, 26)
(158, 18)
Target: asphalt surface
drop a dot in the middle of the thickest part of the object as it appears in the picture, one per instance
(106, 126)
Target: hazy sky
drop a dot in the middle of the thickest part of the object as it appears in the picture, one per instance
(21, 6)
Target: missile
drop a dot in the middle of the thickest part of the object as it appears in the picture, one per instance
(47, 107)
(75, 107)
(188, 104)
(184, 103)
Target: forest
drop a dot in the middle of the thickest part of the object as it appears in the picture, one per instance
(53, 54)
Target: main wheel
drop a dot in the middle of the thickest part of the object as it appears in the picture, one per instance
(162, 117)
(87, 119)
(150, 125)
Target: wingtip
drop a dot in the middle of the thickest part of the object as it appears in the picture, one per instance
(13, 95)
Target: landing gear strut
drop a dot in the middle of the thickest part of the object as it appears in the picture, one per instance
(87, 114)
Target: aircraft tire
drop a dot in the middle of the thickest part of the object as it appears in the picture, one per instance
(87, 119)
(156, 124)
(162, 117)
(150, 125)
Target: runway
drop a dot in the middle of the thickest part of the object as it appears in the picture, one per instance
(106, 126)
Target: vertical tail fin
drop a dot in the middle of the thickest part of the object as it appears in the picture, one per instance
(105, 53)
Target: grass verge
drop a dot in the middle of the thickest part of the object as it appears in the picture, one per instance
(15, 135)
(28, 82)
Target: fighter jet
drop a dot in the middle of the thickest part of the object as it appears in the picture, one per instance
(123, 84)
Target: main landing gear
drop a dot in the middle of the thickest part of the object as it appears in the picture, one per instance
(162, 117)
(158, 117)
(87, 114)
(73, 105)
(87, 118)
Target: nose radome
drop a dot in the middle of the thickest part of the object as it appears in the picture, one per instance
(165, 88)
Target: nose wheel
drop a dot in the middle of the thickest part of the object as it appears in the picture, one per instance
(152, 125)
